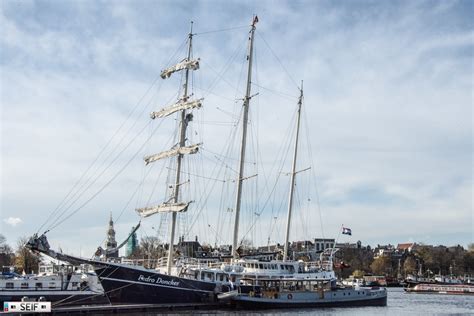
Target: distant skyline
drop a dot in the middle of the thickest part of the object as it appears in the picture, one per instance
(388, 115)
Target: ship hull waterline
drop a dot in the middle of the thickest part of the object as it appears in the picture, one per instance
(249, 303)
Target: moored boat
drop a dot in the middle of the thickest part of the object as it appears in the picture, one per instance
(455, 289)
(299, 293)
(62, 285)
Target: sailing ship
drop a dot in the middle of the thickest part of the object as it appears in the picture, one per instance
(135, 284)
(197, 282)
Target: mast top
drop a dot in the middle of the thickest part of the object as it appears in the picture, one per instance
(255, 20)
(191, 30)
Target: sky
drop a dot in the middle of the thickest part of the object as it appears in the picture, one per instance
(387, 115)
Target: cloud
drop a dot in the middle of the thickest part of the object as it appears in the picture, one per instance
(388, 113)
(13, 221)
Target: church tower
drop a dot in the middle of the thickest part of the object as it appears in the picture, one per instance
(110, 244)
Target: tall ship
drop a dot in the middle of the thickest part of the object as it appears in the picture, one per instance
(124, 283)
(187, 280)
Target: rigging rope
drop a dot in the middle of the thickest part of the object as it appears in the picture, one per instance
(56, 223)
(278, 59)
(221, 30)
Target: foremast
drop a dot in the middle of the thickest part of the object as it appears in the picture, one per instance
(173, 205)
(243, 140)
(293, 176)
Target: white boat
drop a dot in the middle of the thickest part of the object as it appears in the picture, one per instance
(59, 284)
(302, 293)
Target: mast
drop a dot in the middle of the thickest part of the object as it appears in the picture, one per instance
(293, 174)
(179, 158)
(244, 140)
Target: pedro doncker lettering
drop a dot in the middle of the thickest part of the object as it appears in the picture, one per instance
(149, 279)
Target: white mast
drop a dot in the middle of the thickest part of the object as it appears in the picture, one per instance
(182, 143)
(173, 205)
(293, 174)
(244, 140)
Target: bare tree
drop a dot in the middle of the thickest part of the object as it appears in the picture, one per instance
(6, 252)
(25, 260)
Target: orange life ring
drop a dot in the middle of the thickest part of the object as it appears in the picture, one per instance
(290, 296)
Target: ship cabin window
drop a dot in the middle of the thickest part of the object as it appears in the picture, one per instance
(202, 276)
(24, 285)
(221, 277)
(260, 266)
(281, 267)
(9, 285)
(39, 285)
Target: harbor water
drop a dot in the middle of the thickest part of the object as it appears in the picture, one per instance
(399, 303)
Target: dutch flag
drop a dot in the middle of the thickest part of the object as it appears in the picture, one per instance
(346, 231)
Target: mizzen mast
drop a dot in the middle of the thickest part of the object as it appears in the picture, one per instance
(173, 205)
(293, 174)
(244, 140)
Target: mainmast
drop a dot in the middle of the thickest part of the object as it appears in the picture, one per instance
(293, 174)
(244, 140)
(173, 205)
(182, 142)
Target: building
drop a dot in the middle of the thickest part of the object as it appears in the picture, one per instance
(132, 243)
(110, 243)
(323, 243)
(406, 247)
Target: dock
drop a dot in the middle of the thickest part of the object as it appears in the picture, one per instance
(137, 308)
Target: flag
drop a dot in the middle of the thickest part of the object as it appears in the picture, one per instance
(255, 20)
(346, 231)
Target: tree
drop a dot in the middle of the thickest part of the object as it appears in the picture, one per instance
(381, 265)
(358, 274)
(25, 260)
(470, 247)
(6, 252)
(149, 248)
(409, 266)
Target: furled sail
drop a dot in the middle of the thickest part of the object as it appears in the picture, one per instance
(179, 106)
(172, 152)
(165, 207)
(185, 64)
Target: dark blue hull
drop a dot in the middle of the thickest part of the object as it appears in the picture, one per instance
(128, 284)
(260, 304)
